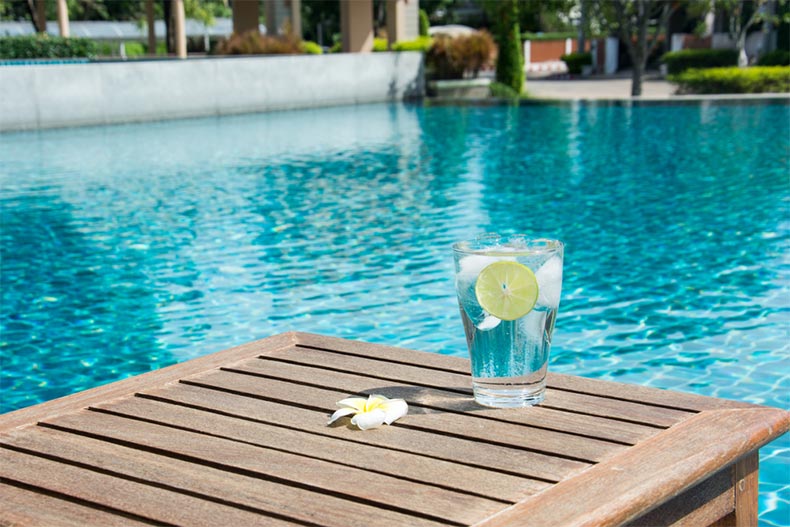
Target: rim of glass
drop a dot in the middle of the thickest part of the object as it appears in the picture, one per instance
(488, 243)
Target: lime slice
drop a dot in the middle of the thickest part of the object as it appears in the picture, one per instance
(506, 289)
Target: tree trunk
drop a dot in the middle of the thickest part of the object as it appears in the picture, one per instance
(636, 78)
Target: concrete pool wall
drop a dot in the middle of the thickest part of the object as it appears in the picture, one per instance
(59, 95)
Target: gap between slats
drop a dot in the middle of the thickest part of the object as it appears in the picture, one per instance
(465, 371)
(273, 374)
(199, 384)
(235, 469)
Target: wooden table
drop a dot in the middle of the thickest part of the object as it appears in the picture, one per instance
(240, 438)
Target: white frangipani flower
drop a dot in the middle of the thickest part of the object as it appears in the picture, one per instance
(371, 412)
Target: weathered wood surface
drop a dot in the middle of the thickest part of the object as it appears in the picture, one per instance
(240, 436)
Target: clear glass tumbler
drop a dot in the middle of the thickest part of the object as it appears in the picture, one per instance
(508, 290)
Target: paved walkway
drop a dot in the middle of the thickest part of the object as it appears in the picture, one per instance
(597, 88)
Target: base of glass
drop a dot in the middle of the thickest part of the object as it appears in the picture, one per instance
(509, 396)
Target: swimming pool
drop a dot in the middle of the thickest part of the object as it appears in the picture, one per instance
(128, 248)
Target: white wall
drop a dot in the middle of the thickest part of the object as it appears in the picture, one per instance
(46, 96)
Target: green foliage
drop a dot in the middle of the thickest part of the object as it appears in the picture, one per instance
(253, 43)
(503, 91)
(425, 24)
(418, 44)
(556, 35)
(680, 61)
(134, 49)
(510, 63)
(777, 57)
(46, 47)
(380, 44)
(452, 57)
(311, 48)
(757, 79)
(575, 61)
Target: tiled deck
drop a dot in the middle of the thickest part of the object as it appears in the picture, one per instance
(240, 437)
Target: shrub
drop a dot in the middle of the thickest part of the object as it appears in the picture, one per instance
(418, 44)
(453, 57)
(380, 44)
(680, 61)
(757, 79)
(134, 49)
(503, 91)
(311, 48)
(425, 24)
(575, 61)
(253, 43)
(46, 47)
(527, 35)
(510, 63)
(777, 57)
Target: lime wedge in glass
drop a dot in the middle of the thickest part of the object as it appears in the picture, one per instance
(506, 289)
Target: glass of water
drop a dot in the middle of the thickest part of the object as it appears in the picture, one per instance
(508, 290)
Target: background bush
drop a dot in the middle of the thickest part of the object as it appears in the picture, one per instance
(418, 44)
(757, 79)
(311, 48)
(778, 57)
(509, 63)
(680, 61)
(46, 47)
(253, 43)
(425, 24)
(380, 44)
(453, 57)
(575, 61)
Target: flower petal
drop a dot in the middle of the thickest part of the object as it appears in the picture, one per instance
(368, 420)
(394, 409)
(357, 403)
(340, 413)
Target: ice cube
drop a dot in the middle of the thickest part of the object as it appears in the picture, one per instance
(490, 322)
(470, 266)
(549, 278)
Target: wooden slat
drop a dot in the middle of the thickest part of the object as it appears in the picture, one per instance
(32, 414)
(134, 498)
(619, 490)
(701, 505)
(354, 483)
(468, 426)
(495, 457)
(414, 466)
(626, 392)
(19, 506)
(430, 389)
(255, 494)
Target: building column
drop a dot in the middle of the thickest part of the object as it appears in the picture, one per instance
(396, 21)
(356, 25)
(179, 29)
(245, 16)
(149, 19)
(63, 18)
(296, 17)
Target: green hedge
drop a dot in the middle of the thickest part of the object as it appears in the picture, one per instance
(311, 48)
(418, 44)
(380, 44)
(778, 57)
(575, 61)
(549, 36)
(680, 61)
(757, 79)
(46, 47)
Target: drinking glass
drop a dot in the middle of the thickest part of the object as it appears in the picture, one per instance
(508, 290)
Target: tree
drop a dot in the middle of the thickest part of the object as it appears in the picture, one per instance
(743, 15)
(631, 20)
(509, 63)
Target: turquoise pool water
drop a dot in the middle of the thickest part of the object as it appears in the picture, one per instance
(129, 248)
